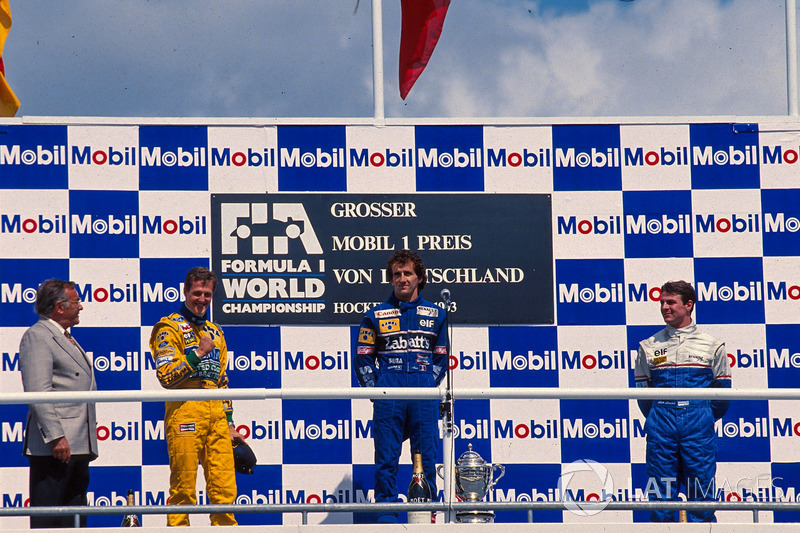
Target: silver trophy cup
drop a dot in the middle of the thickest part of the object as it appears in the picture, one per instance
(473, 481)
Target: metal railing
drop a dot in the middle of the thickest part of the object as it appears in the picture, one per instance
(449, 507)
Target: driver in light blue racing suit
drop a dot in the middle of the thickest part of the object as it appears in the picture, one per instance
(681, 443)
(403, 343)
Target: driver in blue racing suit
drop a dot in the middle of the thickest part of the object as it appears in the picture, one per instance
(681, 443)
(403, 343)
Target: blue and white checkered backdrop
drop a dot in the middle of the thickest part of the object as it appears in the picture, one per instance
(552, 239)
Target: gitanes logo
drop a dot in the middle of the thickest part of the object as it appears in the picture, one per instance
(264, 234)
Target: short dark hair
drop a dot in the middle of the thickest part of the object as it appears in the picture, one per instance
(401, 257)
(49, 293)
(682, 289)
(200, 273)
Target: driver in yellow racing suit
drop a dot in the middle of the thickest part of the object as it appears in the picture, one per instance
(190, 353)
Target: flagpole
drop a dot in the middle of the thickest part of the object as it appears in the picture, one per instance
(377, 60)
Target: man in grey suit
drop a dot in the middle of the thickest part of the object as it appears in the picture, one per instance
(60, 438)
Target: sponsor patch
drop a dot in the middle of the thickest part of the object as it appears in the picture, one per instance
(427, 311)
(185, 326)
(365, 350)
(162, 344)
(389, 325)
(440, 350)
(166, 352)
(163, 360)
(427, 323)
(660, 359)
(366, 335)
(187, 427)
(386, 313)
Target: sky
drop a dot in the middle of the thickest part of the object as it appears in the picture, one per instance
(313, 58)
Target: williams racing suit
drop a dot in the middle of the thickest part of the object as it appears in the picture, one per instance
(402, 344)
(196, 431)
(681, 444)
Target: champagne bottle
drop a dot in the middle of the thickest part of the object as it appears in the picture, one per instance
(131, 520)
(419, 490)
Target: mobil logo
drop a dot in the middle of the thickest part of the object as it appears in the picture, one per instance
(733, 223)
(526, 158)
(472, 423)
(253, 228)
(107, 490)
(782, 290)
(531, 429)
(594, 225)
(449, 158)
(128, 431)
(107, 155)
(753, 358)
(657, 220)
(20, 280)
(253, 356)
(783, 355)
(785, 427)
(172, 225)
(586, 158)
(729, 290)
(261, 430)
(466, 361)
(111, 293)
(523, 356)
(662, 157)
(317, 432)
(322, 361)
(173, 154)
(115, 354)
(779, 155)
(595, 428)
(154, 451)
(12, 435)
(15, 499)
(595, 359)
(112, 362)
(641, 292)
(781, 214)
(34, 157)
(388, 158)
(319, 496)
(743, 434)
(162, 285)
(724, 156)
(104, 224)
(51, 223)
(264, 487)
(251, 157)
(590, 291)
(312, 158)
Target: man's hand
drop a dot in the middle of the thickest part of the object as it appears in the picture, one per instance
(60, 448)
(235, 434)
(205, 347)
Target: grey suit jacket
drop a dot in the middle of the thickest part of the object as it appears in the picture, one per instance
(48, 361)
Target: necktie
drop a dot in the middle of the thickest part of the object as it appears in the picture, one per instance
(66, 333)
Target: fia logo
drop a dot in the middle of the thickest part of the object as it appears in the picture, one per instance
(290, 221)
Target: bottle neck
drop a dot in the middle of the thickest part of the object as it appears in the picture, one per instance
(417, 463)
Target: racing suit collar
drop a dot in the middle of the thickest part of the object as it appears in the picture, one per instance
(688, 330)
(191, 317)
(404, 305)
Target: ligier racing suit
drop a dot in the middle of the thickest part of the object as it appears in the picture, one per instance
(402, 344)
(196, 431)
(681, 444)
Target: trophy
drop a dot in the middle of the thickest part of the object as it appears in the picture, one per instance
(473, 481)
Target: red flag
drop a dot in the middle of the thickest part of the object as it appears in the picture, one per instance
(422, 26)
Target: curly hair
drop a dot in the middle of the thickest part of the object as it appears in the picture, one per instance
(401, 257)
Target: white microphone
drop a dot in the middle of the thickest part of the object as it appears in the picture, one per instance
(445, 294)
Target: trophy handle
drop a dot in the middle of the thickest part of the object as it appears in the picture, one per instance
(495, 480)
(440, 471)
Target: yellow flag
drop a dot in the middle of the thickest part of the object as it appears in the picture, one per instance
(8, 100)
